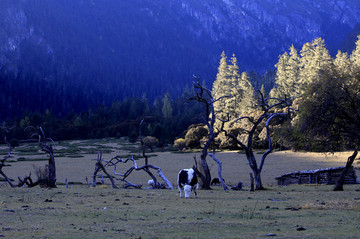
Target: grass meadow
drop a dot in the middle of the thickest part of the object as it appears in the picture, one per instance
(297, 211)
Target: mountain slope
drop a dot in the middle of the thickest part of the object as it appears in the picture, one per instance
(104, 50)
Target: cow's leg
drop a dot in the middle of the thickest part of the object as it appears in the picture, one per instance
(180, 191)
(195, 191)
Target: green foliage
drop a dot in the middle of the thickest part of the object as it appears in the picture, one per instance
(167, 109)
(168, 119)
(326, 92)
(232, 90)
(133, 136)
(194, 135)
(234, 96)
(180, 144)
(287, 75)
(330, 113)
(150, 141)
(295, 73)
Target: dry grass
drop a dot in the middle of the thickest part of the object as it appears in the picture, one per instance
(82, 212)
(343, 204)
(75, 160)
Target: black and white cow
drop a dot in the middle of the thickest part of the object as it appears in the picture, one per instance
(187, 181)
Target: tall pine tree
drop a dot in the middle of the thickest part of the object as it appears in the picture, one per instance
(315, 61)
(234, 89)
(287, 75)
(355, 58)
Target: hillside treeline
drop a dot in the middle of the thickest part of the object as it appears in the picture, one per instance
(324, 89)
(164, 119)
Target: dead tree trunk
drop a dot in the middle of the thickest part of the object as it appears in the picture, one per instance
(137, 168)
(204, 95)
(146, 168)
(43, 142)
(223, 184)
(146, 158)
(28, 181)
(340, 183)
(2, 164)
(269, 112)
(52, 167)
(100, 167)
(252, 188)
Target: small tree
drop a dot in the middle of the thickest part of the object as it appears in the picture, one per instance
(180, 144)
(99, 166)
(340, 183)
(269, 112)
(204, 95)
(150, 141)
(47, 148)
(194, 135)
(2, 163)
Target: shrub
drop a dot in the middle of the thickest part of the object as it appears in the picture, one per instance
(179, 144)
(42, 174)
(194, 135)
(133, 136)
(150, 141)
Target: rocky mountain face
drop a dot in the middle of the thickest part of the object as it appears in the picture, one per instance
(114, 49)
(260, 29)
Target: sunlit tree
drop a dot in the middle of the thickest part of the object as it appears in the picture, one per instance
(287, 75)
(315, 61)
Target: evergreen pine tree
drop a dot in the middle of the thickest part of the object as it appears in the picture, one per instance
(234, 91)
(315, 60)
(342, 64)
(167, 109)
(281, 76)
(293, 71)
(146, 104)
(221, 86)
(234, 87)
(355, 58)
(248, 97)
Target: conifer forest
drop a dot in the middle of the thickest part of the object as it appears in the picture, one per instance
(88, 69)
(323, 89)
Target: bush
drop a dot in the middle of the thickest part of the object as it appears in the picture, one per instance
(194, 135)
(150, 141)
(179, 144)
(42, 174)
(133, 136)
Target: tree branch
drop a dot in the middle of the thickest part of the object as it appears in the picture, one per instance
(226, 188)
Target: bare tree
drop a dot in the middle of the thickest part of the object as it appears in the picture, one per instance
(28, 181)
(203, 95)
(114, 161)
(340, 183)
(99, 166)
(269, 112)
(43, 141)
(102, 165)
(2, 164)
(223, 184)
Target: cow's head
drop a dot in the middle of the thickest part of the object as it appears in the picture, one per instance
(187, 190)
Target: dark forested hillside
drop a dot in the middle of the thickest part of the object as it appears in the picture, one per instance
(70, 54)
